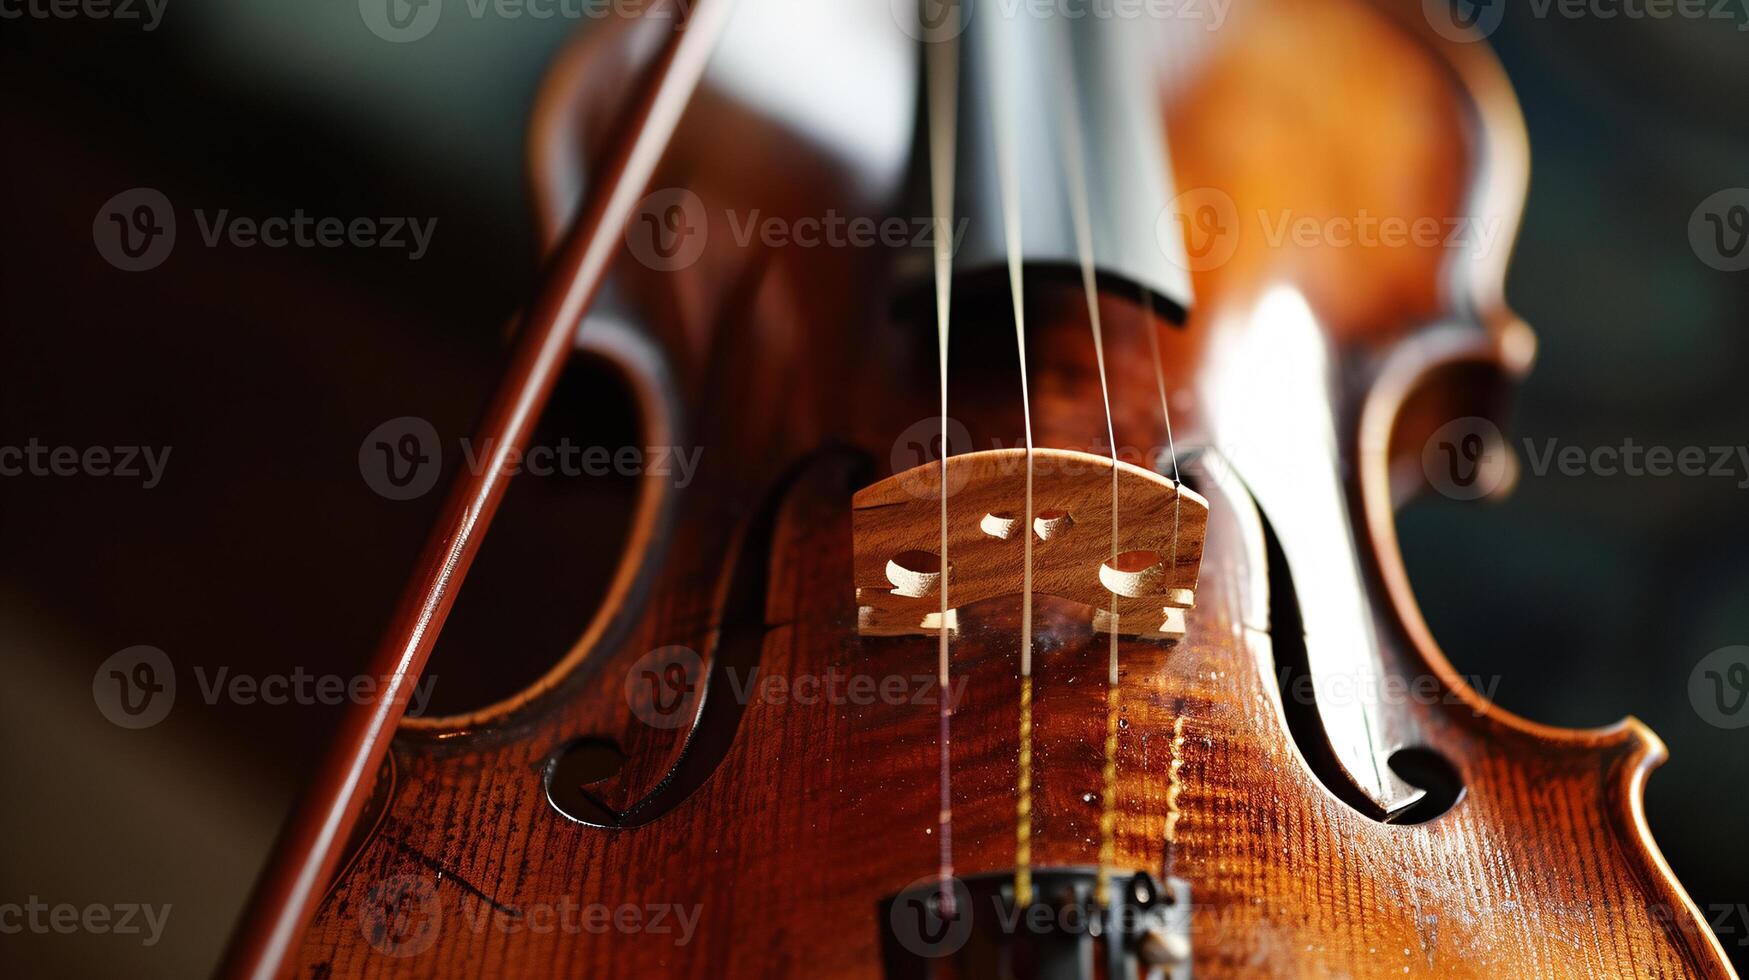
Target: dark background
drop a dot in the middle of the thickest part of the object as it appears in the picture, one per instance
(1589, 597)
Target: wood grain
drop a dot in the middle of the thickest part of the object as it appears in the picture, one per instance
(1079, 498)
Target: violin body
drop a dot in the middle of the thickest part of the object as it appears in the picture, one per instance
(766, 826)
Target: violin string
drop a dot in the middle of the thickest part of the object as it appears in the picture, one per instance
(1166, 415)
(1008, 177)
(1079, 211)
(1179, 46)
(943, 65)
(1172, 449)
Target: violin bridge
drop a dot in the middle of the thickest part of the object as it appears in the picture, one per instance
(1144, 592)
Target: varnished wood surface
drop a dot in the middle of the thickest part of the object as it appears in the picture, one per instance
(816, 811)
(1081, 498)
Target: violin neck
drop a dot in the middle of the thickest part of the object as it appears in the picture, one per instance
(1048, 117)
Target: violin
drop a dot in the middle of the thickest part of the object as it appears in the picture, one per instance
(1035, 608)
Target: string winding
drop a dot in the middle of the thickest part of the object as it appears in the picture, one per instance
(1008, 177)
(943, 111)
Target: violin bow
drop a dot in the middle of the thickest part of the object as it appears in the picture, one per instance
(310, 847)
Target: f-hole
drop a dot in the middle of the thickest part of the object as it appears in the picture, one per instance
(574, 768)
(554, 547)
(1422, 767)
(735, 659)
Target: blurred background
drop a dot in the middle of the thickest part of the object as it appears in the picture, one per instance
(261, 370)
